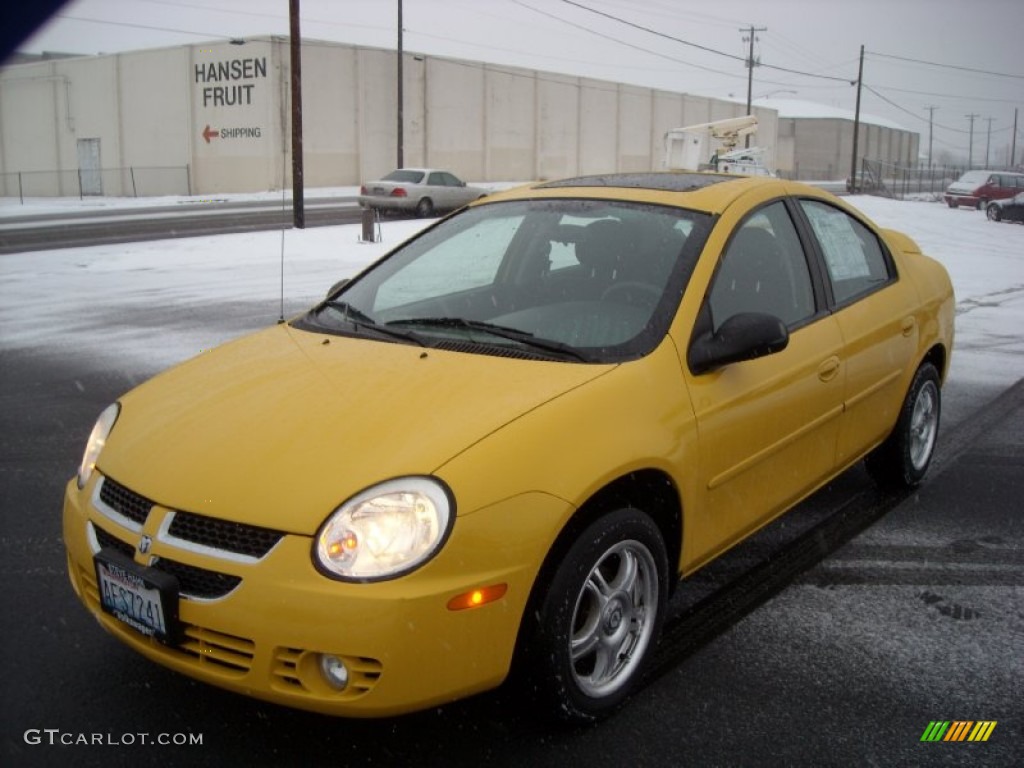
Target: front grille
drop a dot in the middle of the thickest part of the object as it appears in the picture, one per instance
(249, 540)
(109, 541)
(125, 502)
(193, 581)
(236, 538)
(198, 582)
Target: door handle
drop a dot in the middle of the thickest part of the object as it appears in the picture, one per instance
(907, 326)
(829, 369)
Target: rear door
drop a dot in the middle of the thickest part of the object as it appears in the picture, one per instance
(875, 312)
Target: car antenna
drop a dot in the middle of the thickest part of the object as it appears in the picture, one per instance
(280, 318)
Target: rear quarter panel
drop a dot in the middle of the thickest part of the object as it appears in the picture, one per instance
(936, 300)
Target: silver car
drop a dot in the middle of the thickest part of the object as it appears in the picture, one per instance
(419, 190)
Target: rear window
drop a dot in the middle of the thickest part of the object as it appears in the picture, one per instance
(413, 177)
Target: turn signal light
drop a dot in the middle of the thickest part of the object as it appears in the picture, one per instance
(477, 597)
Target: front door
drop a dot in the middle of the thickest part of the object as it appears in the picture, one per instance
(768, 427)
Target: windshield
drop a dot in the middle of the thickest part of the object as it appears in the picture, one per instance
(580, 280)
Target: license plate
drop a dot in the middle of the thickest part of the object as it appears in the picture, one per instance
(143, 598)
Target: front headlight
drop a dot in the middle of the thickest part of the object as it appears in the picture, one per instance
(386, 530)
(97, 439)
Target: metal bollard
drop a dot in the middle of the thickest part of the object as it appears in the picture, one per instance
(369, 219)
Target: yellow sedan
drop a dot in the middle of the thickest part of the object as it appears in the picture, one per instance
(502, 446)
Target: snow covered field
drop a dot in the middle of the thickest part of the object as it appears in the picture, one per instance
(94, 301)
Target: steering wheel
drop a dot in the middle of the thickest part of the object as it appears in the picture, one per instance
(634, 292)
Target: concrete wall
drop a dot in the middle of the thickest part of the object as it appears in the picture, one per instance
(215, 118)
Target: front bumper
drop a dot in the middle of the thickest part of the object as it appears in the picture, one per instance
(971, 201)
(404, 648)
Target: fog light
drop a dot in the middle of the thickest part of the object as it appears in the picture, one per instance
(333, 671)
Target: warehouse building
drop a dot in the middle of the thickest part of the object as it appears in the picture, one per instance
(815, 141)
(215, 118)
(209, 119)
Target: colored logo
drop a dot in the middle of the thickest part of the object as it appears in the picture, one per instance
(958, 730)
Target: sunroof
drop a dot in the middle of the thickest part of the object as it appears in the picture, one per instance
(664, 182)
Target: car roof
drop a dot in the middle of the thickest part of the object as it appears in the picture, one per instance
(705, 191)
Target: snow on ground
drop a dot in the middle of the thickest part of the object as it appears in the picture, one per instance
(95, 300)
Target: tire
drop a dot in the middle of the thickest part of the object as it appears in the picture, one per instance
(425, 208)
(953, 203)
(599, 619)
(993, 212)
(902, 460)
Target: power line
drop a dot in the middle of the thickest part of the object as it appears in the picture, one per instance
(701, 47)
(628, 45)
(947, 66)
(948, 95)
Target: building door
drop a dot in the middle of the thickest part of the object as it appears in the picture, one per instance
(89, 166)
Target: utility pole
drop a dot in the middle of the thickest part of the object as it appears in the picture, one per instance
(401, 96)
(856, 124)
(1013, 141)
(988, 141)
(931, 117)
(750, 67)
(298, 207)
(970, 141)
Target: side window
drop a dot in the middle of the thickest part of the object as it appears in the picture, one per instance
(436, 180)
(764, 269)
(854, 258)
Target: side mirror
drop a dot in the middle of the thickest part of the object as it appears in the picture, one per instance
(336, 287)
(745, 336)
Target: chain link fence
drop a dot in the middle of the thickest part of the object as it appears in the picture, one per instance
(134, 181)
(901, 182)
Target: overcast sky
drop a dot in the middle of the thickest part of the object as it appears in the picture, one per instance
(973, 48)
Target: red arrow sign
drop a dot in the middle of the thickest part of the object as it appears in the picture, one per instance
(210, 133)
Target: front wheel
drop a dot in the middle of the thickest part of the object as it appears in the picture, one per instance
(993, 212)
(903, 459)
(600, 618)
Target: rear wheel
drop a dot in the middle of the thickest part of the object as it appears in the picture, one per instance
(903, 459)
(993, 212)
(425, 208)
(600, 617)
(953, 204)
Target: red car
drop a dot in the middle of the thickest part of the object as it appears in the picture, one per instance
(978, 188)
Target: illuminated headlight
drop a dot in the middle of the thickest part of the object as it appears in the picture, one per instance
(97, 439)
(386, 530)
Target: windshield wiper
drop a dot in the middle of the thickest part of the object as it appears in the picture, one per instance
(360, 319)
(513, 334)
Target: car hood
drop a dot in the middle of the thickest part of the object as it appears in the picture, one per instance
(278, 428)
(958, 188)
